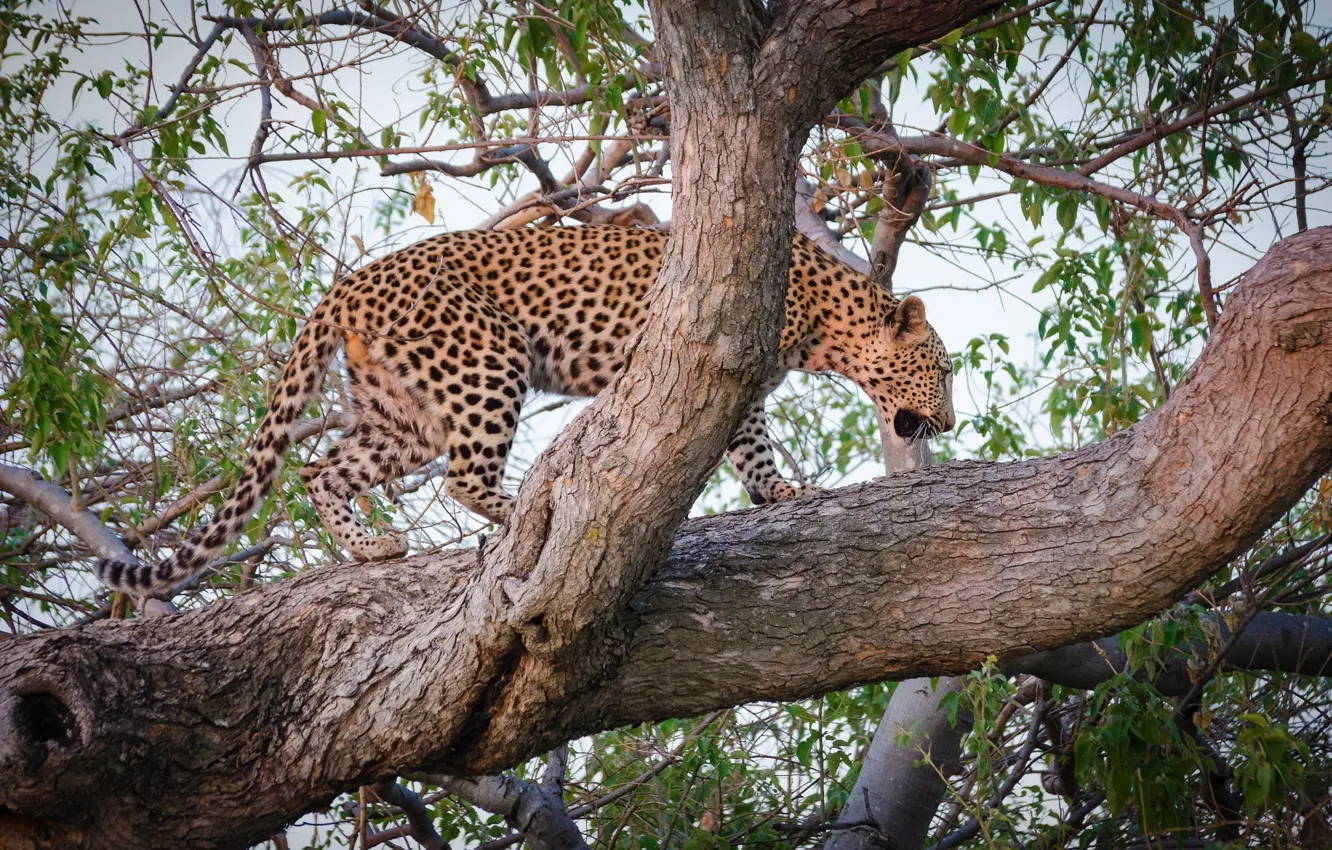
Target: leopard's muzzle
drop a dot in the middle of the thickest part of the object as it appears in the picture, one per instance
(911, 426)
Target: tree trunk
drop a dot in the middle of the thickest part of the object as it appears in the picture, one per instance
(597, 512)
(897, 792)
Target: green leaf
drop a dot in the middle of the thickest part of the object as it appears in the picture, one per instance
(951, 39)
(1306, 46)
(805, 751)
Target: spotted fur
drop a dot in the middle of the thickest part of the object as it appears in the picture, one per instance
(444, 338)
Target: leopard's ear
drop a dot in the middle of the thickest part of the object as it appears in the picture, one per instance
(908, 320)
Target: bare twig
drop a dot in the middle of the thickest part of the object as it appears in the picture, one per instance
(1147, 137)
(180, 86)
(972, 827)
(418, 816)
(876, 142)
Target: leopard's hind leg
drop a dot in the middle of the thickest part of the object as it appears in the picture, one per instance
(392, 436)
(471, 377)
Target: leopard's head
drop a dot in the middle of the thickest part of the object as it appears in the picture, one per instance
(906, 370)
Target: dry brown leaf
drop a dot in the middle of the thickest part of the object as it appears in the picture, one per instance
(423, 204)
(360, 246)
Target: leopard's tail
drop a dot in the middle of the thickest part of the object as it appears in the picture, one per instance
(310, 356)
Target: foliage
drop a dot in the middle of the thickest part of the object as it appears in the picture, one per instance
(162, 238)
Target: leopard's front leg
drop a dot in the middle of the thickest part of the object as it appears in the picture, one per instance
(754, 454)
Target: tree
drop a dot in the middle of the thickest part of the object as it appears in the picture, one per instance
(599, 605)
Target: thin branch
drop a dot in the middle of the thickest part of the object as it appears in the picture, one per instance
(55, 502)
(876, 142)
(1146, 138)
(150, 401)
(418, 816)
(972, 827)
(396, 28)
(1297, 162)
(1049, 78)
(303, 431)
(300, 156)
(180, 87)
(998, 20)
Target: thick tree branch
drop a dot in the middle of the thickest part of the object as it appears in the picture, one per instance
(896, 790)
(905, 193)
(812, 226)
(817, 52)
(1290, 643)
(418, 816)
(201, 724)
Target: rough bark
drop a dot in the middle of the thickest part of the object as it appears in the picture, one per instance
(905, 194)
(218, 725)
(271, 703)
(597, 512)
(829, 46)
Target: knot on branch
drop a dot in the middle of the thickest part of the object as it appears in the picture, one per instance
(42, 724)
(1300, 336)
(545, 563)
(40, 731)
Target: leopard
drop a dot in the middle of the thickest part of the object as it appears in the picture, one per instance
(443, 339)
